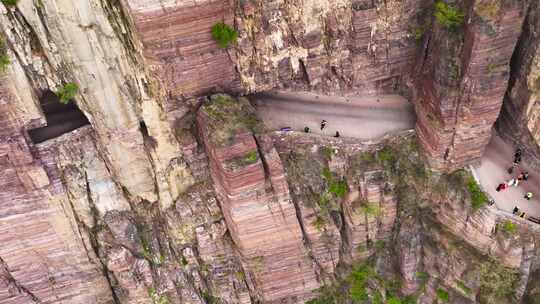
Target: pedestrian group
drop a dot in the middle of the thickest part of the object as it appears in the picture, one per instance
(323, 125)
(516, 180)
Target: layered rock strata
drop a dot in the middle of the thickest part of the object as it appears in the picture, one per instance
(519, 120)
(44, 258)
(413, 225)
(462, 75)
(254, 197)
(321, 45)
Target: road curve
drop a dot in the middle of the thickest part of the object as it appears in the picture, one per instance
(493, 170)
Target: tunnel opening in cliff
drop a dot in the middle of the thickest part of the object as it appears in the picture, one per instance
(61, 118)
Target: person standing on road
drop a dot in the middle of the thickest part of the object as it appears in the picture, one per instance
(337, 134)
(500, 187)
(528, 195)
(517, 156)
(524, 176)
(513, 182)
(323, 124)
(517, 160)
(306, 129)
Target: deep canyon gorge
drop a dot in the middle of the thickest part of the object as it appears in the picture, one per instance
(134, 167)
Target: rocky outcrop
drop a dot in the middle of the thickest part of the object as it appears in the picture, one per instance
(123, 210)
(370, 217)
(254, 197)
(519, 121)
(320, 45)
(175, 38)
(462, 75)
(84, 43)
(44, 257)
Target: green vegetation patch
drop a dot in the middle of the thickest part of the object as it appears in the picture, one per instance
(362, 285)
(418, 33)
(224, 34)
(157, 298)
(242, 161)
(478, 197)
(463, 287)
(230, 116)
(443, 295)
(9, 2)
(67, 92)
(508, 227)
(358, 283)
(448, 16)
(336, 186)
(496, 282)
(370, 209)
(4, 59)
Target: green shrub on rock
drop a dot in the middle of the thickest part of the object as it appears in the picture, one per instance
(509, 227)
(67, 92)
(443, 295)
(9, 2)
(224, 34)
(478, 197)
(448, 16)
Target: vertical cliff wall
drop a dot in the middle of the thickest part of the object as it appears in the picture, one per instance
(519, 120)
(59, 195)
(130, 210)
(254, 196)
(463, 71)
(316, 45)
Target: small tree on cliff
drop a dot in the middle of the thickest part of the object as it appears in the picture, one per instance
(67, 92)
(224, 34)
(448, 16)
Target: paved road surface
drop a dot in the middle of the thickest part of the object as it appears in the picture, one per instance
(493, 170)
(372, 117)
(359, 117)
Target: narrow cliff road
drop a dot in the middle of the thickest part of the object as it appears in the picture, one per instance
(493, 170)
(366, 118)
(373, 116)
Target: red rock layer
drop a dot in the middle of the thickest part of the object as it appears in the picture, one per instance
(43, 257)
(370, 217)
(351, 45)
(324, 242)
(178, 46)
(462, 82)
(519, 121)
(260, 216)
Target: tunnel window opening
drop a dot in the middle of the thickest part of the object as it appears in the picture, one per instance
(61, 118)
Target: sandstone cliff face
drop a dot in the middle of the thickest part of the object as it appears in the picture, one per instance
(320, 45)
(130, 210)
(519, 115)
(72, 187)
(254, 197)
(430, 239)
(462, 76)
(44, 257)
